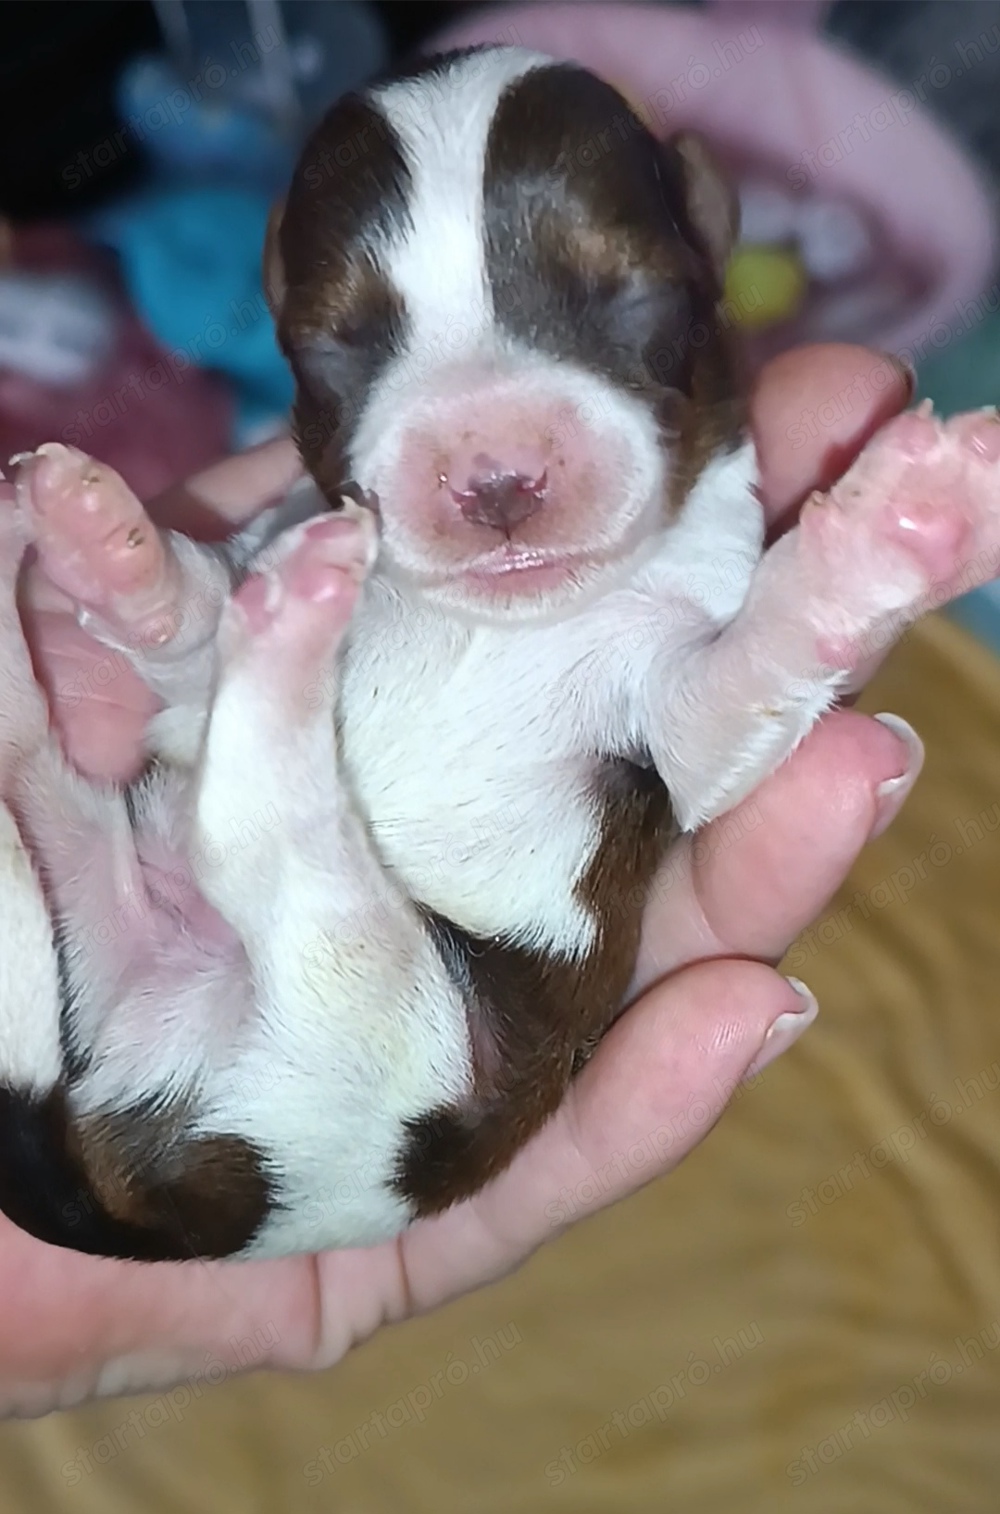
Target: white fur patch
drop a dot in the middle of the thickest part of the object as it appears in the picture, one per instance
(437, 262)
(709, 555)
(475, 799)
(30, 1055)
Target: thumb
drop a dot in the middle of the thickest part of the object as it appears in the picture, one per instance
(665, 1074)
(656, 1086)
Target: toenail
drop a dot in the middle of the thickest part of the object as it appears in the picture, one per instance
(905, 371)
(891, 795)
(18, 458)
(159, 634)
(353, 494)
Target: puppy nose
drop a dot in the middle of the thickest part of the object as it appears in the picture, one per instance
(500, 497)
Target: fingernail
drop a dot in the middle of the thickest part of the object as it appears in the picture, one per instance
(787, 1028)
(891, 795)
(906, 372)
(18, 458)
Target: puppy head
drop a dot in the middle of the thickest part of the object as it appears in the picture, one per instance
(497, 292)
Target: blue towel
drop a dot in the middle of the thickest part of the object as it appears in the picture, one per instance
(191, 260)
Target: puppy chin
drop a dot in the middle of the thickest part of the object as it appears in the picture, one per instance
(522, 585)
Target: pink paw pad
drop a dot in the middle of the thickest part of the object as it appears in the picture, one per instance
(911, 489)
(933, 531)
(313, 586)
(946, 507)
(94, 539)
(331, 547)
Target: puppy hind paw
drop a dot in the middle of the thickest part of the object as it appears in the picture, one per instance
(300, 596)
(94, 539)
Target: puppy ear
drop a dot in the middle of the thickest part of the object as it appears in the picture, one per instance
(274, 268)
(711, 200)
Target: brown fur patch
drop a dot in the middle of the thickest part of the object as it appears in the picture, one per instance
(338, 317)
(608, 246)
(193, 1197)
(541, 1016)
(126, 1185)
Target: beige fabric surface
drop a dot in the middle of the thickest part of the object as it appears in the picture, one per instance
(805, 1317)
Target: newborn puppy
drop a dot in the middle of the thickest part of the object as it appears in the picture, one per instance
(334, 960)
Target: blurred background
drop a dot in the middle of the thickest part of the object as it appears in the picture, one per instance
(807, 1315)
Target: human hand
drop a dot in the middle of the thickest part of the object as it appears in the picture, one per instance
(711, 1007)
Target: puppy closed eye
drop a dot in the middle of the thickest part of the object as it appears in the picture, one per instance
(641, 318)
(636, 311)
(363, 330)
(332, 366)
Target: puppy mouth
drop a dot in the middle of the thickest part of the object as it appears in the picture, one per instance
(515, 569)
(513, 562)
(503, 572)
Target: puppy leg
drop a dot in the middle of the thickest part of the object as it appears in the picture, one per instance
(270, 748)
(79, 836)
(30, 988)
(358, 1026)
(153, 595)
(29, 992)
(31, 1093)
(271, 752)
(24, 716)
(915, 522)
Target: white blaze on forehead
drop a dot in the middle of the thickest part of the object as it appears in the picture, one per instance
(455, 370)
(442, 120)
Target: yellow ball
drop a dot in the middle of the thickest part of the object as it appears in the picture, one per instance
(764, 285)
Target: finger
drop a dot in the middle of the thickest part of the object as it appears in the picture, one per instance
(752, 880)
(811, 412)
(100, 707)
(656, 1085)
(74, 1327)
(232, 491)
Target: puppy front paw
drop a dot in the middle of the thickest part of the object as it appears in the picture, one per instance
(913, 523)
